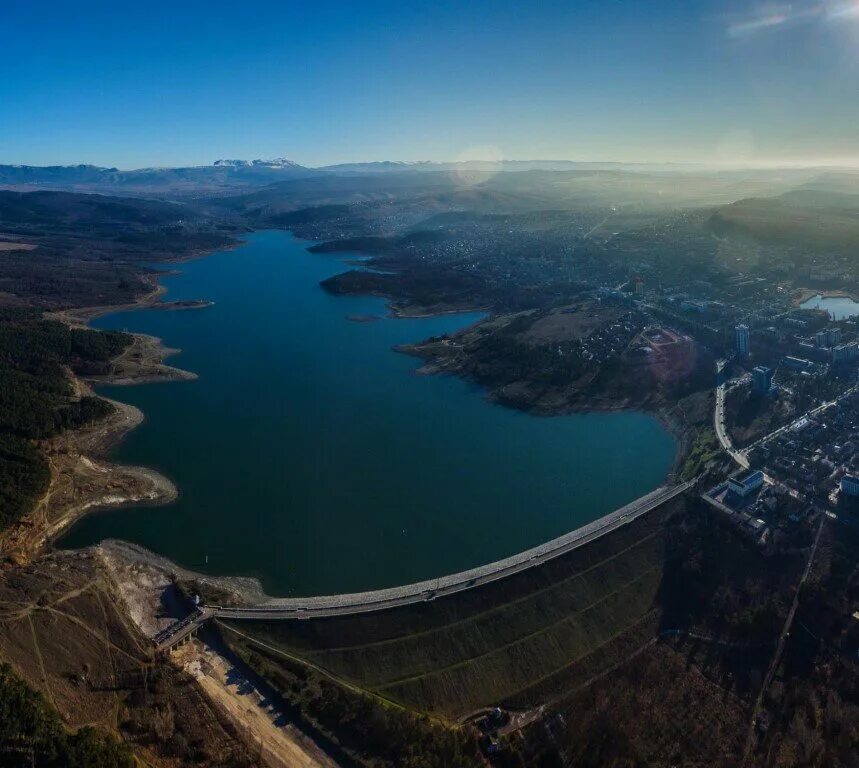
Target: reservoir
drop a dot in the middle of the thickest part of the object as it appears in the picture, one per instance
(311, 455)
(838, 307)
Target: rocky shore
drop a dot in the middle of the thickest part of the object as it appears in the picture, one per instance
(82, 477)
(82, 480)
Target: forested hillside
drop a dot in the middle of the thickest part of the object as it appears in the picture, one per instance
(61, 251)
(32, 734)
(36, 397)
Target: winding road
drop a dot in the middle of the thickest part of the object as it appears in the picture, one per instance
(719, 426)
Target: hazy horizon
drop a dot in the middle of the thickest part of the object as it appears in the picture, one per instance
(847, 165)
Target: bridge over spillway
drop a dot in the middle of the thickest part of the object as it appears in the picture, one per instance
(183, 630)
(382, 599)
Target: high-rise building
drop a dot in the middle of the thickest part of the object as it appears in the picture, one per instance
(742, 332)
(850, 485)
(762, 379)
(828, 337)
(844, 352)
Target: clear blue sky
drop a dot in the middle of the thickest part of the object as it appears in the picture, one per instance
(184, 83)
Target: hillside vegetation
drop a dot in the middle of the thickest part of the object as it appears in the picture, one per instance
(78, 250)
(645, 647)
(31, 733)
(36, 396)
(806, 217)
(65, 633)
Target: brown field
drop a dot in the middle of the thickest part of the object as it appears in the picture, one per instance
(563, 325)
(65, 631)
(655, 709)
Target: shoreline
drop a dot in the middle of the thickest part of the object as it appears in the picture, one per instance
(84, 480)
(400, 312)
(249, 591)
(143, 363)
(80, 317)
(663, 413)
(804, 294)
(82, 477)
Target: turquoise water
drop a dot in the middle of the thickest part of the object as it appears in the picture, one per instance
(309, 454)
(839, 307)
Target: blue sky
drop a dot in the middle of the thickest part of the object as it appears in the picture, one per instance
(184, 83)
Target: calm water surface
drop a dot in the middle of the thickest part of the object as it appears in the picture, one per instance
(838, 307)
(309, 454)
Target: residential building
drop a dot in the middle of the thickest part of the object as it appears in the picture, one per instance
(742, 334)
(844, 352)
(850, 485)
(828, 337)
(762, 380)
(743, 486)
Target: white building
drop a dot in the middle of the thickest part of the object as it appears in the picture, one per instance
(743, 486)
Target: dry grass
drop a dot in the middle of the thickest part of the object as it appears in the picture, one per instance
(656, 709)
(559, 325)
(64, 630)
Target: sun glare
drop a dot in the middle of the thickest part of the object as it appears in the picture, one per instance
(772, 16)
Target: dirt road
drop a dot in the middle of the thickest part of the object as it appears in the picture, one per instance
(277, 742)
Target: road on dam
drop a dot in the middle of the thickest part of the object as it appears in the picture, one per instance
(382, 599)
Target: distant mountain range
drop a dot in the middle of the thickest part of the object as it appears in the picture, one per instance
(268, 171)
(222, 175)
(236, 176)
(387, 166)
(278, 162)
